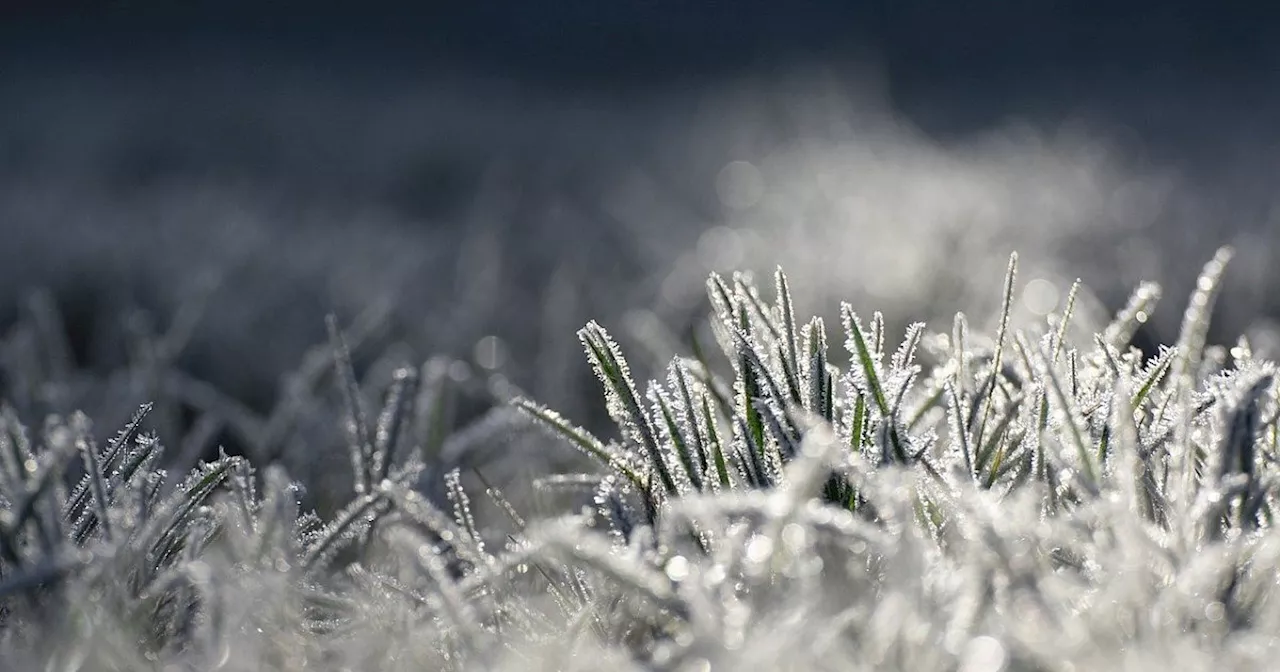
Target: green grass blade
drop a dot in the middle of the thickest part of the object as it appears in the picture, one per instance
(858, 342)
(1006, 308)
(1134, 314)
(623, 402)
(359, 441)
(579, 438)
(1060, 336)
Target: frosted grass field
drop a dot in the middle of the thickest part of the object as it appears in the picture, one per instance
(1017, 487)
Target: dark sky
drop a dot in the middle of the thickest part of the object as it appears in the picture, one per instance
(1191, 77)
(631, 40)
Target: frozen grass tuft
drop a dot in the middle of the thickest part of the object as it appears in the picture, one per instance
(1021, 500)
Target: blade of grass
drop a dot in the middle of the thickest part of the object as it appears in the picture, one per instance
(579, 438)
(1006, 307)
(858, 340)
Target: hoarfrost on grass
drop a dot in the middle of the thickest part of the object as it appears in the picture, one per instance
(1023, 500)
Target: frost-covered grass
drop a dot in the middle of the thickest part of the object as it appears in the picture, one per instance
(1026, 499)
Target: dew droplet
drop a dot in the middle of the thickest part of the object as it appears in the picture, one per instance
(1215, 611)
(696, 665)
(794, 536)
(759, 549)
(720, 248)
(678, 568)
(1040, 296)
(984, 654)
(490, 352)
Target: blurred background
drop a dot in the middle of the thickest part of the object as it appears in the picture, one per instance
(497, 173)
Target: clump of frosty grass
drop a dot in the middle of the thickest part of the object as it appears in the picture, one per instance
(1013, 501)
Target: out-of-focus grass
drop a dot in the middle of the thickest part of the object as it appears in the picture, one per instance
(465, 198)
